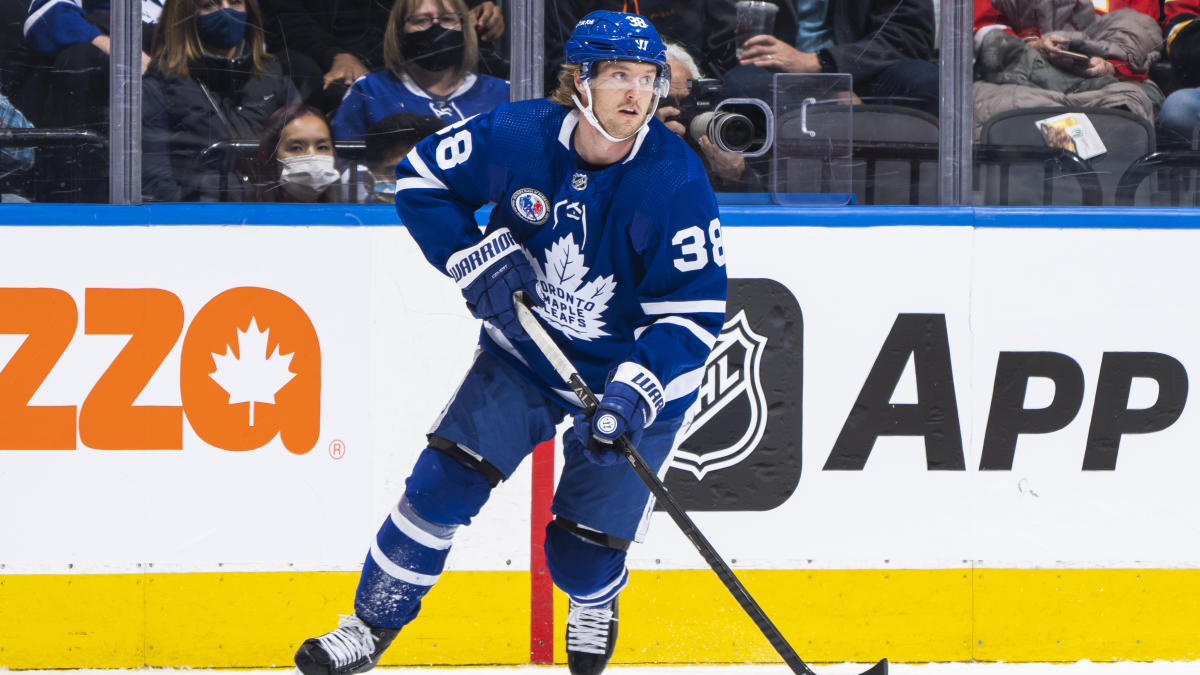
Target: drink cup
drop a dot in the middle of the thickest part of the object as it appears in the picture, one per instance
(753, 18)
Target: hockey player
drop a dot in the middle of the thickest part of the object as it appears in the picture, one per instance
(605, 219)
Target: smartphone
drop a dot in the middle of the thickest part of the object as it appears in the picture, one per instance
(1075, 57)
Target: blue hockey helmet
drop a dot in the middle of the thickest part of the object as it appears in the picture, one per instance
(615, 36)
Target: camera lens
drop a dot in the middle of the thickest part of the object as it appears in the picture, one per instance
(731, 132)
(698, 126)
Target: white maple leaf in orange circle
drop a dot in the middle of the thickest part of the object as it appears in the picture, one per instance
(255, 377)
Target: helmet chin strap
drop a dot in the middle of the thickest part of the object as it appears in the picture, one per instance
(591, 116)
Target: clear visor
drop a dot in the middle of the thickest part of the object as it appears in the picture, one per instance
(629, 76)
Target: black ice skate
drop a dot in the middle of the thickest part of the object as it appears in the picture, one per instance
(591, 636)
(352, 647)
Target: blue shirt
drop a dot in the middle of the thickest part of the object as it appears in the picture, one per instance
(813, 30)
(629, 258)
(379, 94)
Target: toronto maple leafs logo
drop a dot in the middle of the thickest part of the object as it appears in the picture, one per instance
(531, 205)
(569, 304)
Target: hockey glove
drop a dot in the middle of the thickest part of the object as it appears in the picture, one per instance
(488, 274)
(621, 411)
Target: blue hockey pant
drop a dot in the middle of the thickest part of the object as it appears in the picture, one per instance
(490, 425)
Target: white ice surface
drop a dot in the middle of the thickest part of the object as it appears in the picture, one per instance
(1080, 668)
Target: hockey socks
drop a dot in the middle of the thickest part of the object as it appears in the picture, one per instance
(405, 561)
(590, 573)
(412, 544)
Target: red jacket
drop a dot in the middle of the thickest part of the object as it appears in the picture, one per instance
(987, 16)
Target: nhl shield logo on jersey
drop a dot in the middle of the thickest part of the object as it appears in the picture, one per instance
(531, 205)
(742, 451)
(579, 181)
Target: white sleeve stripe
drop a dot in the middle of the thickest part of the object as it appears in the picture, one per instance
(419, 182)
(422, 169)
(684, 384)
(414, 532)
(685, 307)
(397, 572)
(37, 16)
(707, 338)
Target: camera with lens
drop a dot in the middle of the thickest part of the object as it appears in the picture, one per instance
(741, 125)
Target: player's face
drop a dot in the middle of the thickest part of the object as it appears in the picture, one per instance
(622, 93)
(305, 135)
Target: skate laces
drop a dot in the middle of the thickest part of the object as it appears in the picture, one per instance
(350, 641)
(587, 628)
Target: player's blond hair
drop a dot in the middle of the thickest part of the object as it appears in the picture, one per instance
(566, 85)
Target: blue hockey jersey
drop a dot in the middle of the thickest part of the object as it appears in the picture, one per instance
(379, 94)
(52, 25)
(629, 258)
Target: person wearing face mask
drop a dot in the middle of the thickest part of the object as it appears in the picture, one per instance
(210, 80)
(431, 53)
(325, 45)
(295, 160)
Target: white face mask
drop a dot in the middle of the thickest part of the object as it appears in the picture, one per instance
(309, 174)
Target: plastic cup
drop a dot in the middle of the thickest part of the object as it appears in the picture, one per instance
(753, 18)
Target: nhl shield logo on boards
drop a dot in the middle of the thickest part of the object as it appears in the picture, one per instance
(579, 181)
(742, 451)
(734, 374)
(531, 206)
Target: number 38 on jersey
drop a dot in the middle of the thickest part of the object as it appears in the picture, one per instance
(693, 246)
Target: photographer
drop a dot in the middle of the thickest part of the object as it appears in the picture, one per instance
(727, 171)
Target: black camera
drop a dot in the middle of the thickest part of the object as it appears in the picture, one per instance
(733, 125)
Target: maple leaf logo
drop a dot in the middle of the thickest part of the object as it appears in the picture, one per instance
(572, 306)
(255, 377)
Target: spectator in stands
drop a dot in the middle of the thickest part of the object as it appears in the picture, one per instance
(72, 43)
(1180, 113)
(702, 27)
(727, 170)
(13, 160)
(210, 80)
(326, 45)
(295, 160)
(431, 52)
(1077, 54)
(388, 141)
(886, 45)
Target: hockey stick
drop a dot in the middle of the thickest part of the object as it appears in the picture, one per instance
(569, 375)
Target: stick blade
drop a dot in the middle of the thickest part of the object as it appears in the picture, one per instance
(880, 668)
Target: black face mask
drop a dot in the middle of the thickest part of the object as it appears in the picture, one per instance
(434, 48)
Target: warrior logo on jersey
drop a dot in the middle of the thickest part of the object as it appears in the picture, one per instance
(531, 205)
(579, 181)
(569, 304)
(733, 375)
